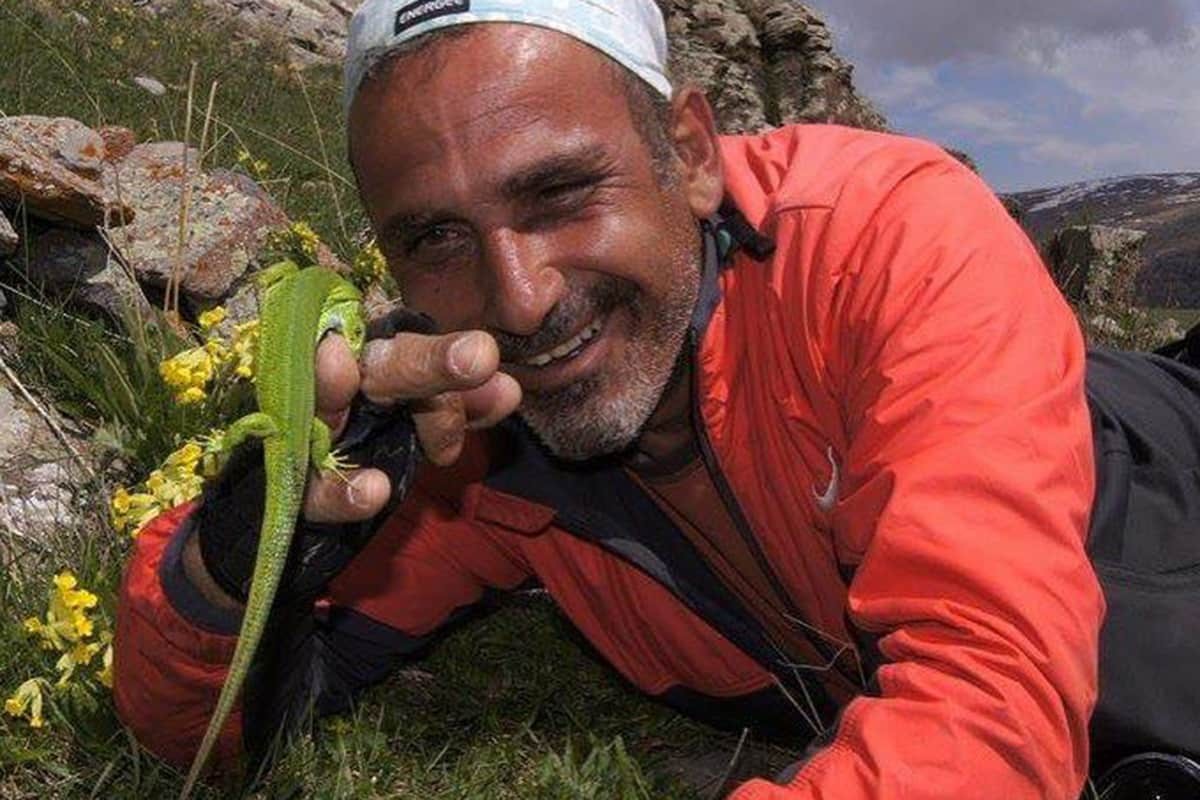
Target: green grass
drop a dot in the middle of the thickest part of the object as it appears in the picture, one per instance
(511, 706)
(55, 65)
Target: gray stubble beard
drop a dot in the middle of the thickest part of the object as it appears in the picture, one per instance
(575, 424)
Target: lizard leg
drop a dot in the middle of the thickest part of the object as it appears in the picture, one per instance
(273, 274)
(251, 426)
(324, 457)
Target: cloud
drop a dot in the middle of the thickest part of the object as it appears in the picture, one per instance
(904, 84)
(1040, 91)
(1129, 74)
(933, 31)
(1032, 135)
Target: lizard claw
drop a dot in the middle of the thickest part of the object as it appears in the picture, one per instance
(336, 464)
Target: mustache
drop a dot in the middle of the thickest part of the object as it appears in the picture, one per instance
(599, 299)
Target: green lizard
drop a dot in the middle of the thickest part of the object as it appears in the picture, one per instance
(297, 307)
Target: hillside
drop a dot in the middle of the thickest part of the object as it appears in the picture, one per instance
(1166, 206)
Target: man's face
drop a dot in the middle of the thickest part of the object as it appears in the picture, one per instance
(511, 192)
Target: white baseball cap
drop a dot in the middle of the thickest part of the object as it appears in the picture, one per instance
(631, 32)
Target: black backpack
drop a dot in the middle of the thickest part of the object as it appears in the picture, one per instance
(1144, 542)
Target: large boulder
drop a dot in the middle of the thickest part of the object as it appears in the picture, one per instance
(764, 63)
(84, 267)
(70, 185)
(1096, 265)
(50, 167)
(229, 217)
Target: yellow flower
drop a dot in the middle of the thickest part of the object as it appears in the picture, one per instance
(187, 456)
(188, 374)
(212, 318)
(369, 264)
(67, 617)
(298, 242)
(217, 350)
(245, 343)
(191, 396)
(70, 597)
(105, 673)
(305, 238)
(130, 512)
(27, 702)
(78, 656)
(255, 166)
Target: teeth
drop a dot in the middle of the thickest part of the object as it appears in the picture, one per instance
(566, 348)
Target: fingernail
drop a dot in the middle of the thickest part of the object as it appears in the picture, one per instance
(466, 356)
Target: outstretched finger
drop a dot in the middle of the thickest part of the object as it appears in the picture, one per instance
(412, 366)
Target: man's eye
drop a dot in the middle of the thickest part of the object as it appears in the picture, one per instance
(569, 191)
(437, 244)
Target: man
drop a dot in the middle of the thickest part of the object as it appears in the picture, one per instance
(792, 427)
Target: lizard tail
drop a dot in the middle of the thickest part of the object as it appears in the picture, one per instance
(275, 541)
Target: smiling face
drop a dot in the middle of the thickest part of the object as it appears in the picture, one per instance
(511, 192)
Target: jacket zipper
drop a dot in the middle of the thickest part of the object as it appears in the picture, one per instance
(734, 507)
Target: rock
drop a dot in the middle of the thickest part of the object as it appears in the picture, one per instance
(763, 62)
(82, 150)
(1096, 265)
(49, 166)
(80, 266)
(228, 220)
(315, 30)
(151, 85)
(39, 478)
(1170, 330)
(118, 142)
(9, 241)
(1104, 325)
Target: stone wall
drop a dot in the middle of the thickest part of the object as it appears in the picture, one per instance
(763, 62)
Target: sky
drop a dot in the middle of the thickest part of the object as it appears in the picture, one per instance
(1039, 92)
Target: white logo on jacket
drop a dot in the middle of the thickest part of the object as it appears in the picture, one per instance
(828, 499)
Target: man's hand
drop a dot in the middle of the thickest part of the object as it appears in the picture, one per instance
(452, 384)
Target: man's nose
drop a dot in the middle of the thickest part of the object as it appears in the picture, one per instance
(525, 285)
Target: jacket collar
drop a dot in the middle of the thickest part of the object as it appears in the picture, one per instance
(723, 236)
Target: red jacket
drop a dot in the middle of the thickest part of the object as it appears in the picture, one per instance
(893, 404)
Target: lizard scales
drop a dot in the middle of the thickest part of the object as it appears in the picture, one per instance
(297, 308)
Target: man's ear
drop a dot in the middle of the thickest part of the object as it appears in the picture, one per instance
(694, 132)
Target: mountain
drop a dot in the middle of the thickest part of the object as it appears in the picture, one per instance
(1165, 206)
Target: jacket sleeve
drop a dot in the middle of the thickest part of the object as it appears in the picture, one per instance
(967, 479)
(172, 647)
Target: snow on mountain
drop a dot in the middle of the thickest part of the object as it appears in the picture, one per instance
(1165, 206)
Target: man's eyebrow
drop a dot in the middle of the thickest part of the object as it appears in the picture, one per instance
(398, 225)
(584, 161)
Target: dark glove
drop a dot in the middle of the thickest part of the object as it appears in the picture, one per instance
(231, 509)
